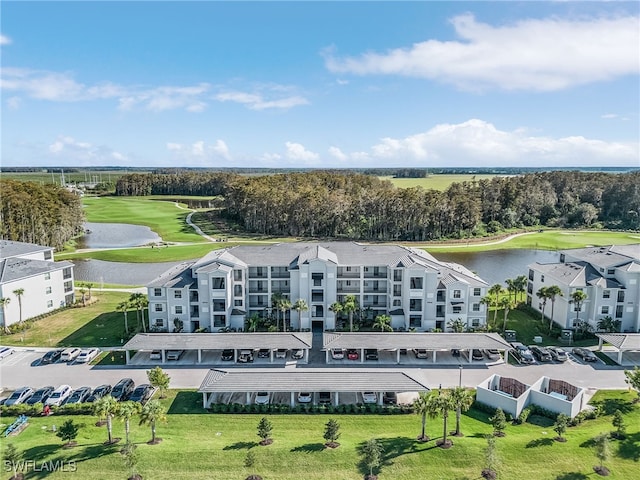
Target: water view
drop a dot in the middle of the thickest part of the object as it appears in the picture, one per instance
(117, 235)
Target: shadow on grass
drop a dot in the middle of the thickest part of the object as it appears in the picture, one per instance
(309, 448)
(540, 421)
(393, 448)
(572, 476)
(240, 446)
(629, 448)
(103, 331)
(187, 402)
(77, 454)
(610, 405)
(540, 442)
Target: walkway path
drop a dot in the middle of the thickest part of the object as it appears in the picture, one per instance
(473, 244)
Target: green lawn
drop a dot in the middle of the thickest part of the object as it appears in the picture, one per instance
(434, 182)
(96, 325)
(205, 446)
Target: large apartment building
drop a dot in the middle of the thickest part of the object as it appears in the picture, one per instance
(30, 268)
(226, 286)
(609, 276)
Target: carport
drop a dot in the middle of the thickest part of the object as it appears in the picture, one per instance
(433, 342)
(336, 382)
(219, 341)
(621, 342)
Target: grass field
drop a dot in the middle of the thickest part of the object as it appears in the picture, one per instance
(96, 325)
(70, 177)
(206, 446)
(434, 182)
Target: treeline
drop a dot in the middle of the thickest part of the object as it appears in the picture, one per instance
(35, 213)
(356, 206)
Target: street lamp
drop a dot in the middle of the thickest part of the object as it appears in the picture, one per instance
(460, 379)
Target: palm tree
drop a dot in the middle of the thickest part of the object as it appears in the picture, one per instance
(276, 298)
(578, 297)
(383, 322)
(349, 306)
(123, 307)
(521, 285)
(488, 301)
(543, 296)
(152, 413)
(252, 322)
(424, 406)
(495, 292)
(300, 306)
(336, 308)
(18, 292)
(505, 303)
(127, 410)
(511, 289)
(3, 305)
(82, 291)
(462, 400)
(139, 300)
(284, 305)
(106, 407)
(443, 405)
(553, 291)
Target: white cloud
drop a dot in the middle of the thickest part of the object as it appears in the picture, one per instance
(71, 150)
(199, 152)
(14, 102)
(297, 151)
(540, 55)
(257, 101)
(4, 40)
(174, 146)
(335, 152)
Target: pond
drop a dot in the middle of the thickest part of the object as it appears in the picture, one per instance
(116, 235)
(99, 271)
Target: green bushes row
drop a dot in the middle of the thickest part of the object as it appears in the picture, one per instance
(311, 409)
(36, 409)
(540, 411)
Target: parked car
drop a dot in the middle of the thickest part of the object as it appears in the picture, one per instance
(264, 353)
(123, 389)
(371, 354)
(541, 353)
(324, 398)
(558, 354)
(6, 351)
(281, 353)
(305, 397)
(369, 397)
(19, 396)
(455, 352)
(585, 354)
(352, 354)
(476, 354)
(99, 392)
(262, 398)
(492, 353)
(174, 354)
(142, 393)
(52, 356)
(40, 396)
(69, 354)
(79, 395)
(390, 398)
(227, 354)
(155, 355)
(421, 353)
(87, 355)
(522, 354)
(337, 353)
(59, 395)
(246, 356)
(297, 354)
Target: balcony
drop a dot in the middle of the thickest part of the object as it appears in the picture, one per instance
(375, 272)
(382, 288)
(441, 296)
(343, 287)
(193, 297)
(353, 272)
(280, 272)
(257, 272)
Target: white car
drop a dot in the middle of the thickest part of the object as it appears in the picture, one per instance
(174, 354)
(19, 396)
(155, 355)
(337, 353)
(6, 351)
(305, 397)
(369, 397)
(59, 395)
(69, 354)
(87, 355)
(281, 353)
(297, 354)
(262, 398)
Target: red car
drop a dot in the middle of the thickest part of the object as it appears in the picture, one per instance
(352, 354)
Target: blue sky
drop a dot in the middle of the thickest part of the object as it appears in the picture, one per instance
(320, 84)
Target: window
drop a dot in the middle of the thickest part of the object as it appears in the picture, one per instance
(317, 311)
(416, 283)
(415, 321)
(604, 310)
(619, 311)
(177, 294)
(68, 286)
(397, 303)
(477, 292)
(475, 307)
(158, 307)
(219, 306)
(237, 290)
(47, 276)
(317, 279)
(48, 255)
(620, 296)
(66, 273)
(457, 294)
(48, 290)
(415, 305)
(237, 303)
(317, 296)
(50, 304)
(531, 275)
(457, 309)
(397, 290)
(606, 293)
(439, 311)
(475, 322)
(157, 292)
(397, 275)
(217, 283)
(158, 322)
(237, 275)
(611, 271)
(178, 309)
(542, 278)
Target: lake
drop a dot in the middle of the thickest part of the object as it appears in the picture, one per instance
(117, 235)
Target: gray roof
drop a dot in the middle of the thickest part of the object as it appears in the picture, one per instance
(9, 248)
(610, 256)
(622, 341)
(16, 268)
(218, 341)
(177, 276)
(308, 380)
(575, 274)
(428, 341)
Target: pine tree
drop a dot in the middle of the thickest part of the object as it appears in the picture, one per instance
(68, 432)
(332, 433)
(499, 423)
(264, 431)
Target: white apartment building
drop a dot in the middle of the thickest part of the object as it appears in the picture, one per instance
(224, 287)
(46, 284)
(609, 276)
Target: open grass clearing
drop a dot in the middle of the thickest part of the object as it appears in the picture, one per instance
(435, 182)
(196, 445)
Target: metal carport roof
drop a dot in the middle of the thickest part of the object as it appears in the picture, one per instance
(621, 341)
(428, 341)
(218, 341)
(308, 380)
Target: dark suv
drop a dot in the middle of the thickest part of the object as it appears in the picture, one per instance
(123, 389)
(371, 354)
(521, 353)
(541, 353)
